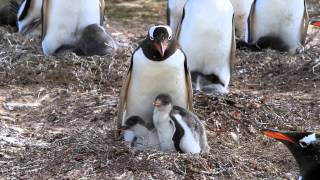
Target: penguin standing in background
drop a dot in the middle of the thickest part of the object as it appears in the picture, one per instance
(63, 22)
(209, 43)
(29, 16)
(158, 65)
(242, 10)
(279, 24)
(178, 129)
(174, 14)
(140, 135)
(305, 147)
(8, 13)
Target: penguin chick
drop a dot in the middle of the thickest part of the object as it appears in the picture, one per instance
(8, 13)
(178, 129)
(94, 40)
(142, 136)
(29, 16)
(305, 147)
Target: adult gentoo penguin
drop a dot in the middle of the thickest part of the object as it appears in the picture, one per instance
(63, 22)
(242, 10)
(140, 135)
(29, 15)
(305, 147)
(207, 38)
(174, 14)
(178, 129)
(279, 24)
(158, 65)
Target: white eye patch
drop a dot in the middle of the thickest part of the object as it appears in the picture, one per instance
(306, 141)
(153, 28)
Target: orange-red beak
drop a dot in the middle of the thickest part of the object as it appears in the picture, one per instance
(157, 103)
(278, 136)
(316, 23)
(162, 47)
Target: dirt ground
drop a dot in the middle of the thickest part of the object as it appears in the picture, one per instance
(58, 114)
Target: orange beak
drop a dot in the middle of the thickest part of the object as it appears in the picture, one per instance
(317, 23)
(162, 47)
(157, 103)
(278, 136)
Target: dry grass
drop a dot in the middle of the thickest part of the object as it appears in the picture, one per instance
(57, 114)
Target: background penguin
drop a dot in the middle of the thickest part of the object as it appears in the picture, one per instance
(174, 14)
(29, 16)
(8, 13)
(178, 129)
(305, 147)
(279, 24)
(242, 10)
(157, 66)
(72, 15)
(140, 135)
(209, 42)
(94, 40)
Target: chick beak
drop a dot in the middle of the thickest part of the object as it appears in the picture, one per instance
(157, 103)
(278, 136)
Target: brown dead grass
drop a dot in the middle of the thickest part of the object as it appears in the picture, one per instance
(63, 122)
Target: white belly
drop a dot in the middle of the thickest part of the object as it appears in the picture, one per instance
(281, 18)
(150, 78)
(206, 39)
(66, 21)
(241, 13)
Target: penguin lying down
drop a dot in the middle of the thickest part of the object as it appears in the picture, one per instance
(305, 147)
(174, 129)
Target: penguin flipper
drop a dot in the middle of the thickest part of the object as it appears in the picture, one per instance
(251, 21)
(304, 25)
(188, 84)
(102, 5)
(45, 17)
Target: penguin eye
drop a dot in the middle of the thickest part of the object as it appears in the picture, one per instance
(303, 144)
(170, 37)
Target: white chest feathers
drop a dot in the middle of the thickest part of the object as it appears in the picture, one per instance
(65, 20)
(151, 78)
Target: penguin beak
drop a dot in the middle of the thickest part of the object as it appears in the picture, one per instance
(157, 103)
(278, 136)
(316, 23)
(162, 47)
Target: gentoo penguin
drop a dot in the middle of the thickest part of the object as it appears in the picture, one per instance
(8, 13)
(94, 40)
(158, 65)
(178, 129)
(242, 10)
(207, 38)
(63, 21)
(279, 24)
(305, 147)
(29, 16)
(141, 135)
(174, 14)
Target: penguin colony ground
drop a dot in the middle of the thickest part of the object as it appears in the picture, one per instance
(65, 101)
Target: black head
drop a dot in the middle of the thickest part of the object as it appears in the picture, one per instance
(95, 40)
(161, 37)
(162, 100)
(304, 146)
(132, 121)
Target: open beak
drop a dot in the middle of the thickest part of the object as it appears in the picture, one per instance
(162, 47)
(157, 103)
(278, 136)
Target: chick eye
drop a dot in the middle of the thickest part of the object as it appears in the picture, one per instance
(303, 144)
